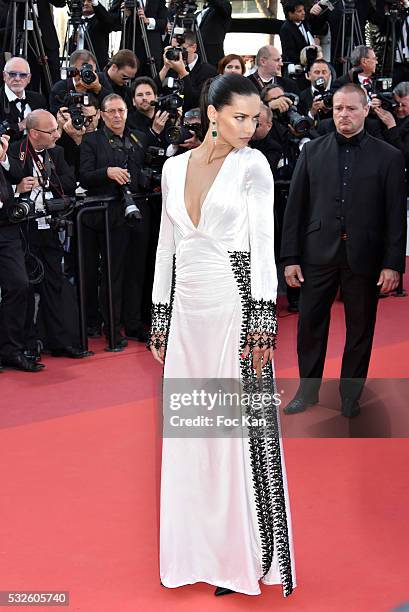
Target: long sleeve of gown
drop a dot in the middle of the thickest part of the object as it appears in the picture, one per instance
(164, 275)
(262, 321)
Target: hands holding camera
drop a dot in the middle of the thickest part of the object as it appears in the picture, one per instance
(177, 65)
(385, 116)
(65, 123)
(28, 183)
(119, 175)
(159, 121)
(282, 104)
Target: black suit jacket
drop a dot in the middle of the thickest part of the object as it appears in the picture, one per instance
(9, 111)
(292, 41)
(213, 28)
(99, 28)
(154, 8)
(374, 209)
(62, 180)
(96, 156)
(288, 85)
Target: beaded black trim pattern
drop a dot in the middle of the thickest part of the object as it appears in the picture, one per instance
(161, 316)
(259, 316)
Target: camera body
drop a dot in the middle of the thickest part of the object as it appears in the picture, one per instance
(74, 102)
(6, 129)
(323, 96)
(56, 211)
(86, 73)
(178, 134)
(151, 173)
(75, 8)
(173, 54)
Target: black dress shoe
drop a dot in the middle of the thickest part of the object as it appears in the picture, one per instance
(69, 351)
(299, 404)
(223, 591)
(350, 408)
(19, 361)
(137, 334)
(120, 342)
(1, 368)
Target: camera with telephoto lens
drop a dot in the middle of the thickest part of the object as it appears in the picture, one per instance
(172, 101)
(388, 101)
(173, 54)
(74, 102)
(86, 73)
(323, 95)
(131, 211)
(301, 124)
(178, 134)
(75, 8)
(6, 129)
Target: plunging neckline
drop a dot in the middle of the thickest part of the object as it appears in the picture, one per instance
(209, 191)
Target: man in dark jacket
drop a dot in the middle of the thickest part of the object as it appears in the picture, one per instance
(345, 225)
(214, 22)
(16, 101)
(295, 33)
(96, 25)
(111, 159)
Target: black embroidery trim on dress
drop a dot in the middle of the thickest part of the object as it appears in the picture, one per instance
(262, 326)
(161, 316)
(264, 441)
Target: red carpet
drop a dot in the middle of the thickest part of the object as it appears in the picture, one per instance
(79, 485)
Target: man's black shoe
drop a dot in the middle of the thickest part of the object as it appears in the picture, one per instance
(19, 361)
(120, 342)
(299, 404)
(350, 408)
(222, 591)
(32, 355)
(94, 331)
(1, 368)
(292, 307)
(69, 351)
(137, 334)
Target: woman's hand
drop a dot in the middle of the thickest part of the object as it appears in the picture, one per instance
(158, 354)
(261, 356)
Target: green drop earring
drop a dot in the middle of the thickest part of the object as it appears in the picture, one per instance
(214, 132)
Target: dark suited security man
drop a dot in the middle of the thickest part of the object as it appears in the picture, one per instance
(154, 14)
(13, 283)
(110, 159)
(45, 174)
(16, 101)
(98, 23)
(214, 23)
(344, 227)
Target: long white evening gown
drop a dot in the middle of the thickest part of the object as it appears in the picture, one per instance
(225, 516)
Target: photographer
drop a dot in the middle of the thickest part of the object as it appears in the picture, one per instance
(98, 23)
(144, 116)
(269, 65)
(13, 282)
(84, 80)
(191, 72)
(316, 101)
(76, 121)
(118, 73)
(45, 175)
(295, 32)
(361, 57)
(111, 160)
(16, 102)
(396, 123)
(154, 15)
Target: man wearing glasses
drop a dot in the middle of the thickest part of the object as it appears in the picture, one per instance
(111, 159)
(43, 174)
(16, 101)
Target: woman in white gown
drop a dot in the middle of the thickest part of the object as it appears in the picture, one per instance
(224, 516)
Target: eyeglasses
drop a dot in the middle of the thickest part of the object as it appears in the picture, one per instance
(14, 74)
(54, 131)
(112, 111)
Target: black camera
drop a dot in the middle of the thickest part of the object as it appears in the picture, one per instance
(74, 102)
(173, 54)
(300, 123)
(75, 8)
(86, 73)
(24, 210)
(6, 129)
(323, 95)
(172, 101)
(178, 134)
(131, 211)
(388, 101)
(151, 173)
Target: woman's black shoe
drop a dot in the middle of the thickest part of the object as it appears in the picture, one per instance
(222, 591)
